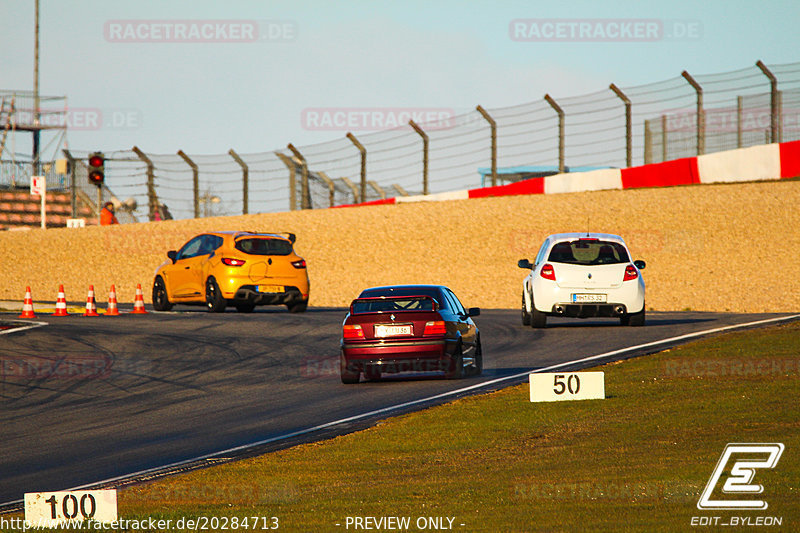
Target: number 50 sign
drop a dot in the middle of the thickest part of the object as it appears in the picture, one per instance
(553, 387)
(50, 508)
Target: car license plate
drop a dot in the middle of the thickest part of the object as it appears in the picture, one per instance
(588, 298)
(270, 288)
(393, 330)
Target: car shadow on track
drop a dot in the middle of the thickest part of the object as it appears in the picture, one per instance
(263, 310)
(610, 323)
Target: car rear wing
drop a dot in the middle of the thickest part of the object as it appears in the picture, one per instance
(392, 304)
(291, 237)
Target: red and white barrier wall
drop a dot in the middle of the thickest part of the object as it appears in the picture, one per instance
(757, 163)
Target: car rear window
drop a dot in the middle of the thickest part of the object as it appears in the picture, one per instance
(401, 303)
(433, 292)
(588, 252)
(264, 246)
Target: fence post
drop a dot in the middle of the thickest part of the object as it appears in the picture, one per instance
(292, 182)
(739, 106)
(363, 164)
(152, 200)
(377, 188)
(424, 155)
(195, 182)
(331, 188)
(400, 190)
(560, 112)
(73, 193)
(493, 129)
(352, 187)
(701, 123)
(305, 201)
(245, 175)
(628, 125)
(648, 143)
(773, 99)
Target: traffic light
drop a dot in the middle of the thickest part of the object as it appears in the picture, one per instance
(96, 171)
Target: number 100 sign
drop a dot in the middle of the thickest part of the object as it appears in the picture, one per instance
(555, 387)
(51, 508)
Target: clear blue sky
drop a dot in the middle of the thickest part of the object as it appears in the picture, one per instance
(211, 96)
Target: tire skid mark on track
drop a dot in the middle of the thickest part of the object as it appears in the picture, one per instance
(30, 349)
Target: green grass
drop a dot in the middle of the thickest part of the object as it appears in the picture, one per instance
(636, 461)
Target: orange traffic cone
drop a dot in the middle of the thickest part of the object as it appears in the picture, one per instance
(112, 302)
(61, 304)
(138, 303)
(27, 306)
(91, 306)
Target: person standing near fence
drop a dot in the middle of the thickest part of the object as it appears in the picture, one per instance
(107, 216)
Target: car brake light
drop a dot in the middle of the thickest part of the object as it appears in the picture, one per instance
(630, 273)
(435, 327)
(352, 331)
(299, 264)
(231, 262)
(547, 272)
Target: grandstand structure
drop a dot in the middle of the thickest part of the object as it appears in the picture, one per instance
(24, 114)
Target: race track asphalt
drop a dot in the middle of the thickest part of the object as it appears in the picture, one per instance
(90, 399)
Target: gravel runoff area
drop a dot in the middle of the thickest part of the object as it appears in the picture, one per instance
(727, 247)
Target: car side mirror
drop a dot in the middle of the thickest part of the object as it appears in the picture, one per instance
(172, 254)
(474, 311)
(524, 263)
(639, 264)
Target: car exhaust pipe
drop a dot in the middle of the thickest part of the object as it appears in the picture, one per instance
(619, 309)
(559, 310)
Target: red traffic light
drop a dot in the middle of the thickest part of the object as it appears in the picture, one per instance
(96, 172)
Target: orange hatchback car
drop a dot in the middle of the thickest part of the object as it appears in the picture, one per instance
(240, 268)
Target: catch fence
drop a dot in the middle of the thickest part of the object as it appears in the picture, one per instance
(613, 127)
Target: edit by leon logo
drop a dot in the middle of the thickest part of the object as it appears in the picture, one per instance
(747, 458)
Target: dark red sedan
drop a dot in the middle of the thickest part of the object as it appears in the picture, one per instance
(409, 328)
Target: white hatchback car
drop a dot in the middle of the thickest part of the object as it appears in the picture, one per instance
(583, 275)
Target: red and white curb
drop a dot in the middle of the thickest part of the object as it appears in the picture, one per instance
(757, 163)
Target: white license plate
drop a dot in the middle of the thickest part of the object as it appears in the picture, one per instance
(393, 330)
(270, 288)
(588, 298)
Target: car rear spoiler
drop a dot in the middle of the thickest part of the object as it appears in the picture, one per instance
(389, 298)
(291, 236)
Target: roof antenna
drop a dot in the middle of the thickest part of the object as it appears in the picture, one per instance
(587, 225)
